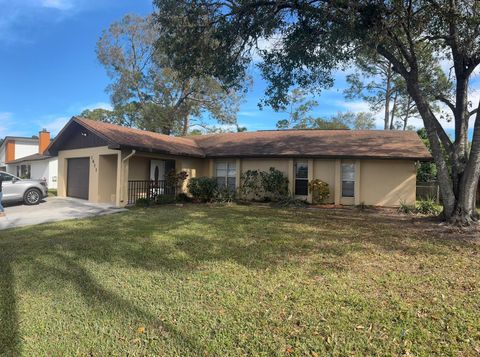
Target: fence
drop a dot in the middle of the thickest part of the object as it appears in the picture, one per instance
(148, 190)
(428, 190)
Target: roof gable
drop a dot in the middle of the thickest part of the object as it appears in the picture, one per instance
(76, 136)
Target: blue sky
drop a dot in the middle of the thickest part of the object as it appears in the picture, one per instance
(49, 71)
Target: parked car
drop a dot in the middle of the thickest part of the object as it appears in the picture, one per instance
(15, 189)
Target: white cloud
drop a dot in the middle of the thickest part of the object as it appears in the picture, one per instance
(57, 4)
(354, 106)
(5, 123)
(98, 105)
(53, 125)
(249, 113)
(19, 19)
(265, 44)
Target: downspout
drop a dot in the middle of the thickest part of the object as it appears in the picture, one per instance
(129, 155)
(122, 172)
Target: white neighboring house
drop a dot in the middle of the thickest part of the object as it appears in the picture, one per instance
(26, 158)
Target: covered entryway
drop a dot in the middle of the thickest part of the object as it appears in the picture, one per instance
(78, 173)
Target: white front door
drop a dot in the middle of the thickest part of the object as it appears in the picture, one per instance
(157, 170)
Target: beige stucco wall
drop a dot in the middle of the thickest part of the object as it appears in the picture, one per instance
(107, 182)
(378, 182)
(387, 182)
(325, 170)
(94, 155)
(265, 164)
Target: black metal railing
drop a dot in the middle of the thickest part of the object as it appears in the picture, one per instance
(149, 190)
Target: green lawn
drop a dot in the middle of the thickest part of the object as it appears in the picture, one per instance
(240, 280)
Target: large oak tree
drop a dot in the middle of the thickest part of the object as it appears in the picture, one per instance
(313, 38)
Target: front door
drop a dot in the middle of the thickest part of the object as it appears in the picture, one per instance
(157, 170)
(301, 178)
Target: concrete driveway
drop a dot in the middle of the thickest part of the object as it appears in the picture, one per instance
(53, 209)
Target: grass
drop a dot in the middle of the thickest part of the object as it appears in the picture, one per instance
(52, 192)
(199, 280)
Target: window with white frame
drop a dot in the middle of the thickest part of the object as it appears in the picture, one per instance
(348, 179)
(226, 174)
(301, 178)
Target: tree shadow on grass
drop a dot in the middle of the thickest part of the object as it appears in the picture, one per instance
(9, 327)
(183, 239)
(101, 300)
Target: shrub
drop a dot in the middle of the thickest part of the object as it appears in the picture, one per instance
(183, 197)
(319, 190)
(224, 195)
(203, 188)
(428, 207)
(274, 183)
(175, 179)
(406, 208)
(250, 184)
(142, 202)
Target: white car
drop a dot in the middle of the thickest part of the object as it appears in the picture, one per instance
(15, 189)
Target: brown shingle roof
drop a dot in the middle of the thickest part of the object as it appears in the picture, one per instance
(143, 140)
(379, 144)
(34, 157)
(375, 144)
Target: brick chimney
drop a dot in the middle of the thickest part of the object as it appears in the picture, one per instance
(43, 141)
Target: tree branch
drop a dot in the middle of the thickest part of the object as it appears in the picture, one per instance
(446, 101)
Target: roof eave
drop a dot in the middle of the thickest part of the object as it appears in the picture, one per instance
(157, 151)
(314, 156)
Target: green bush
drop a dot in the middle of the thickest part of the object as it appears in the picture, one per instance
(274, 183)
(250, 186)
(224, 195)
(428, 207)
(269, 185)
(203, 188)
(142, 202)
(406, 208)
(183, 198)
(175, 179)
(319, 190)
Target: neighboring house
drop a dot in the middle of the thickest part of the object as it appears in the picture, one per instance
(109, 163)
(26, 158)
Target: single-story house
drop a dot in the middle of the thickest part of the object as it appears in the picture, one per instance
(26, 158)
(103, 162)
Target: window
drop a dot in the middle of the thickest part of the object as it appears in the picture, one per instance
(24, 171)
(348, 180)
(226, 175)
(301, 178)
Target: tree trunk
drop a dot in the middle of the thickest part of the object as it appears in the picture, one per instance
(186, 125)
(466, 211)
(387, 96)
(444, 179)
(394, 109)
(407, 113)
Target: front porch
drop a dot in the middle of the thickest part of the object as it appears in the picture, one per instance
(146, 175)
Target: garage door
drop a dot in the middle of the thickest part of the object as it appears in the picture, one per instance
(78, 177)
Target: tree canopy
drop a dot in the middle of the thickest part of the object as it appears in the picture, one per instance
(147, 92)
(312, 39)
